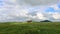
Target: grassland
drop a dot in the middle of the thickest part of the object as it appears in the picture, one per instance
(30, 28)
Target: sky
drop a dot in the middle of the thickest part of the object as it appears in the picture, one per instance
(23, 10)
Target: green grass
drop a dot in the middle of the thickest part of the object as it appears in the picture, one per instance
(30, 28)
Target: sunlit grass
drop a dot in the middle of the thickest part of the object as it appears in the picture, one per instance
(30, 28)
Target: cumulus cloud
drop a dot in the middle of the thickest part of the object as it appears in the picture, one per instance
(21, 10)
(56, 15)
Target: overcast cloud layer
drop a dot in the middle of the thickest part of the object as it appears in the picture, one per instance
(22, 10)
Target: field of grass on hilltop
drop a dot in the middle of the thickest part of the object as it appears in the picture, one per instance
(30, 28)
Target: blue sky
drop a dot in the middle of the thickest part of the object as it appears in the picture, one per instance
(22, 10)
(1, 3)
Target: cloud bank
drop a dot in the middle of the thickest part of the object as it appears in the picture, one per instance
(22, 10)
(37, 2)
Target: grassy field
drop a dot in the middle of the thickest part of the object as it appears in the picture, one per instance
(30, 28)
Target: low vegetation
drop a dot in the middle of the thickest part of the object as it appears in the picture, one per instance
(30, 28)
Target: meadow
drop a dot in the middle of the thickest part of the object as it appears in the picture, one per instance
(30, 28)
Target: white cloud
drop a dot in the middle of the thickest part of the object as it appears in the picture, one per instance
(56, 15)
(12, 11)
(40, 16)
(55, 6)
